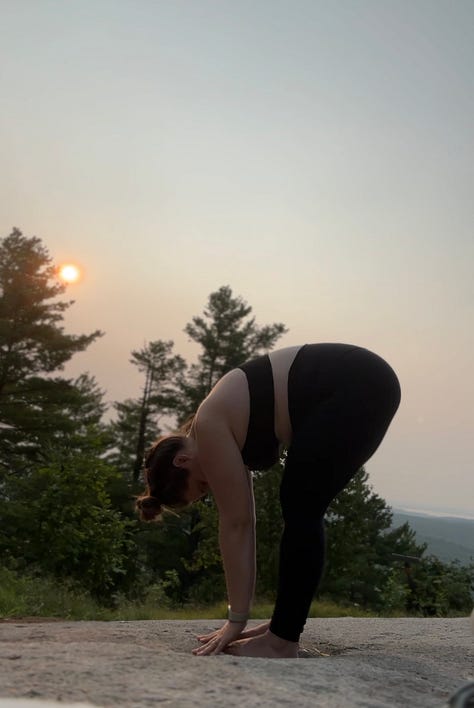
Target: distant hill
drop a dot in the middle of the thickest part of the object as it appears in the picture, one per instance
(448, 538)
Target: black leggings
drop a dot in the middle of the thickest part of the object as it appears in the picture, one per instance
(341, 401)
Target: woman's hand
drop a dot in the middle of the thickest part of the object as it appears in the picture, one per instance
(216, 642)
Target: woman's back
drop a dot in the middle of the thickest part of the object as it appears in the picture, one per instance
(229, 400)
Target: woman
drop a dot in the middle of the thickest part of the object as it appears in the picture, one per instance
(330, 405)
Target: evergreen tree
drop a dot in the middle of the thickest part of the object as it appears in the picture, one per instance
(228, 336)
(123, 433)
(360, 545)
(35, 407)
(439, 589)
(269, 528)
(138, 420)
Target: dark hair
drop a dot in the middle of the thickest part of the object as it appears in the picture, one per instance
(165, 483)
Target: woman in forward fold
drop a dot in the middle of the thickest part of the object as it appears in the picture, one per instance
(330, 405)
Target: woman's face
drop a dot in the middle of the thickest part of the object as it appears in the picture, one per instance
(196, 489)
(187, 458)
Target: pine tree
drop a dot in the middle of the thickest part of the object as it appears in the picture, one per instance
(138, 420)
(361, 544)
(228, 336)
(35, 406)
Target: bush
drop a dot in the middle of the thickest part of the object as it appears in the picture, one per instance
(440, 589)
(33, 596)
(58, 518)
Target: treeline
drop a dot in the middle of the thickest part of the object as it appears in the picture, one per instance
(68, 478)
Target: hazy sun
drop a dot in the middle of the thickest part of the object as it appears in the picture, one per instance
(69, 272)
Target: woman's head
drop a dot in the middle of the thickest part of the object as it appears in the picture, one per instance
(166, 483)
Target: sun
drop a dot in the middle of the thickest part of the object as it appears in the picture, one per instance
(69, 273)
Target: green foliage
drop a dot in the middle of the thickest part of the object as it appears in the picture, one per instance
(363, 567)
(159, 396)
(441, 588)
(269, 528)
(35, 407)
(207, 583)
(31, 339)
(228, 337)
(391, 592)
(137, 423)
(360, 547)
(69, 539)
(124, 433)
(164, 549)
(58, 518)
(28, 595)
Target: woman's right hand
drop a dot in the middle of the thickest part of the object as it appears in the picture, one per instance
(216, 642)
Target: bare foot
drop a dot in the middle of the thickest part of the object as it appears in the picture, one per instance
(266, 645)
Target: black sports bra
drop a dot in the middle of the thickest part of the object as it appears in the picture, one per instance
(261, 447)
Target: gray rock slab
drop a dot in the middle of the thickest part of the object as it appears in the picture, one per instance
(35, 703)
(343, 662)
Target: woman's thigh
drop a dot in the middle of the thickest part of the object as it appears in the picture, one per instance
(325, 453)
(312, 480)
(339, 419)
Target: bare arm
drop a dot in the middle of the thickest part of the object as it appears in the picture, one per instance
(231, 486)
(237, 544)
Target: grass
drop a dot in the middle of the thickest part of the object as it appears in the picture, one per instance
(147, 611)
(23, 596)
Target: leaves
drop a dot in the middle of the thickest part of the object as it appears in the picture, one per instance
(360, 546)
(37, 408)
(66, 501)
(59, 518)
(228, 337)
(31, 338)
(138, 420)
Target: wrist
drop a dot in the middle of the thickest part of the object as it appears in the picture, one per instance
(236, 616)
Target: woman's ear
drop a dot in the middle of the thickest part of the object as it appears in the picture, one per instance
(181, 459)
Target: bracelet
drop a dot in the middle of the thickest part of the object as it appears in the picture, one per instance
(236, 616)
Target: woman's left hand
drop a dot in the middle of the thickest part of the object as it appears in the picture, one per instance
(217, 641)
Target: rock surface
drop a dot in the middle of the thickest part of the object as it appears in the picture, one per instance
(344, 662)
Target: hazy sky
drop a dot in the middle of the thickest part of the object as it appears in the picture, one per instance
(315, 156)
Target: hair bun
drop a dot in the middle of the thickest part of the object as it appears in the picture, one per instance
(149, 507)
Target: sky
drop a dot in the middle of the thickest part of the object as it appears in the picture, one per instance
(317, 157)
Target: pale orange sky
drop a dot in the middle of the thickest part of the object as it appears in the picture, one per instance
(316, 157)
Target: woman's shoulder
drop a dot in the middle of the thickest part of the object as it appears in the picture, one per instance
(230, 391)
(227, 405)
(231, 383)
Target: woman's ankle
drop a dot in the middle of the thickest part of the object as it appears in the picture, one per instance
(280, 643)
